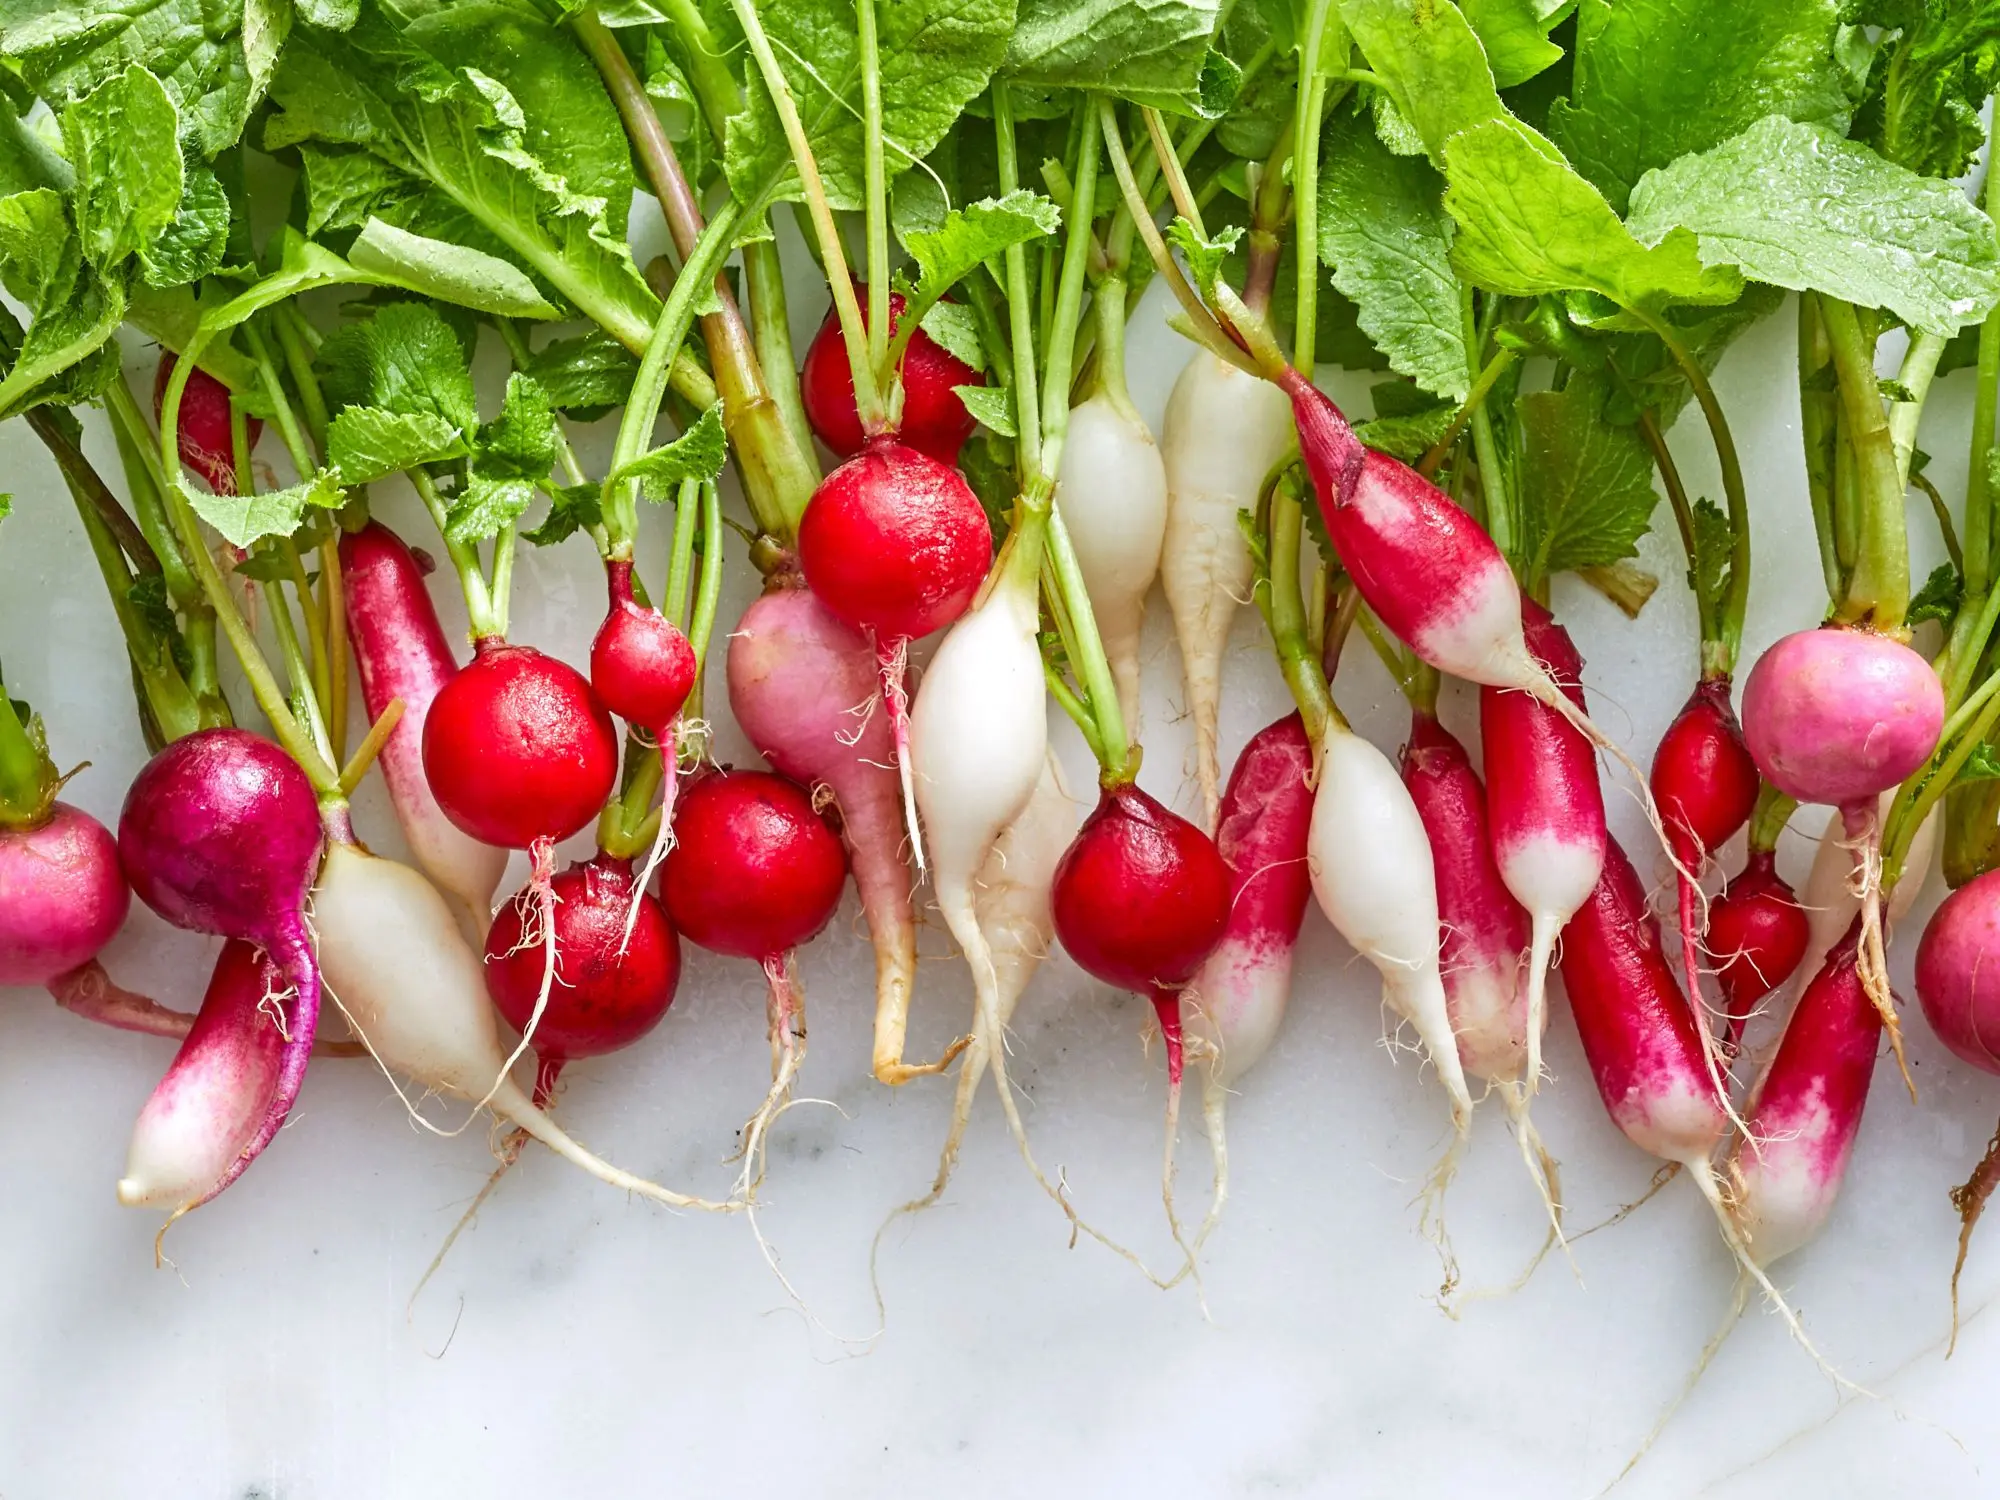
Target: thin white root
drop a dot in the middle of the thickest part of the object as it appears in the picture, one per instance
(511, 1104)
(541, 928)
(663, 841)
(894, 661)
(510, 1152)
(1214, 1104)
(1191, 1266)
(1739, 1300)
(1864, 837)
(1541, 953)
(785, 1012)
(1430, 1222)
(1667, 1173)
(1546, 1174)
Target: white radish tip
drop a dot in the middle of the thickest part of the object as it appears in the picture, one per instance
(131, 1192)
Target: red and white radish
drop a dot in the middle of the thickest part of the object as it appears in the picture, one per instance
(401, 651)
(934, 417)
(1224, 429)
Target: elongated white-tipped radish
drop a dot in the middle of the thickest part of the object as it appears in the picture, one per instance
(1114, 501)
(1224, 429)
(396, 963)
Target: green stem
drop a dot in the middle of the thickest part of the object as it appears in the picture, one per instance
(1920, 362)
(26, 777)
(296, 444)
(680, 564)
(1069, 310)
(1964, 732)
(708, 593)
(483, 618)
(147, 481)
(298, 674)
(1305, 181)
(1287, 615)
(1077, 709)
(875, 192)
(1819, 423)
(1092, 667)
(1502, 361)
(1020, 324)
(289, 324)
(708, 67)
(1172, 171)
(1773, 811)
(1108, 303)
(316, 643)
(1979, 497)
(771, 332)
(1878, 592)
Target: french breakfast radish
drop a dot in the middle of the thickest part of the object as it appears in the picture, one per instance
(1831, 898)
(401, 651)
(1545, 807)
(802, 686)
(204, 439)
(934, 418)
(1223, 431)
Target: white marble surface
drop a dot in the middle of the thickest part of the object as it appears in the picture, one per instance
(576, 1342)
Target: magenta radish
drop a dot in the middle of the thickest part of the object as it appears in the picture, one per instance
(402, 652)
(221, 834)
(218, 1090)
(1757, 934)
(618, 963)
(1113, 489)
(204, 434)
(895, 543)
(62, 894)
(1224, 429)
(1545, 806)
(1839, 716)
(934, 418)
(802, 685)
(754, 873)
(1806, 1109)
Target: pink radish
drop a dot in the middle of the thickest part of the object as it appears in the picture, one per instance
(62, 894)
(756, 872)
(218, 1091)
(1113, 489)
(895, 543)
(204, 435)
(1224, 429)
(801, 685)
(1838, 716)
(1757, 932)
(618, 963)
(402, 652)
(221, 834)
(1545, 805)
(934, 418)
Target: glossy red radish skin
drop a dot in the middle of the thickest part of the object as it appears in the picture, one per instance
(1757, 935)
(756, 870)
(401, 652)
(1806, 1110)
(800, 685)
(612, 986)
(1545, 806)
(62, 895)
(1483, 940)
(518, 749)
(642, 667)
(217, 1092)
(206, 445)
(1704, 779)
(934, 417)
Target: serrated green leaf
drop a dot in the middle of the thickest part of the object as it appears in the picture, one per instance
(697, 453)
(1586, 486)
(952, 327)
(1528, 224)
(1515, 37)
(193, 245)
(1658, 79)
(521, 442)
(1929, 81)
(453, 273)
(1798, 207)
(584, 375)
(1709, 567)
(244, 519)
(366, 443)
(404, 358)
(486, 507)
(38, 255)
(992, 406)
(1432, 67)
(122, 141)
(1205, 257)
(572, 508)
(1982, 765)
(1151, 52)
(1385, 235)
(972, 235)
(1939, 598)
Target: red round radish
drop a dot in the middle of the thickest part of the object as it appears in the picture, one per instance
(203, 435)
(517, 748)
(1958, 972)
(935, 420)
(1703, 777)
(755, 870)
(611, 988)
(895, 542)
(1141, 899)
(1757, 932)
(642, 667)
(1836, 715)
(62, 895)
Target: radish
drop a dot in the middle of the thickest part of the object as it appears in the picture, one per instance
(618, 963)
(1546, 808)
(1831, 899)
(935, 421)
(1141, 898)
(895, 543)
(1806, 1109)
(1839, 716)
(1757, 932)
(400, 970)
(402, 652)
(801, 685)
(221, 834)
(218, 1091)
(62, 894)
(754, 873)
(205, 441)
(1224, 430)
(1114, 499)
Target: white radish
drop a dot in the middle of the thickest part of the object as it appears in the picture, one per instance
(1224, 430)
(1113, 488)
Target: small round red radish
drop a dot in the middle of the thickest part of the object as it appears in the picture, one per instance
(934, 419)
(642, 667)
(612, 987)
(1703, 777)
(1836, 716)
(204, 439)
(62, 895)
(518, 749)
(1757, 933)
(1958, 972)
